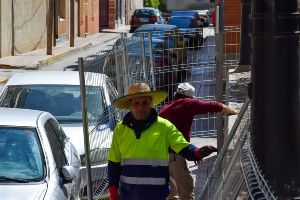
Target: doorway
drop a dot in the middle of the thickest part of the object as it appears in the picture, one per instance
(103, 14)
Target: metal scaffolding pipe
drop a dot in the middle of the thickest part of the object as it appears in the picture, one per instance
(275, 103)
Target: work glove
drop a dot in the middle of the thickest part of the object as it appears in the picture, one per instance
(113, 192)
(204, 152)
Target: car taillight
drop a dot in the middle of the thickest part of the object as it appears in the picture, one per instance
(134, 19)
(153, 19)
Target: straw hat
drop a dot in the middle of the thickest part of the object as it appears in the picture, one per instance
(139, 90)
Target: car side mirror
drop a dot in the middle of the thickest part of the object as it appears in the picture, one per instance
(69, 173)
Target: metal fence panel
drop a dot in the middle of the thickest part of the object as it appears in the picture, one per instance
(235, 174)
(152, 59)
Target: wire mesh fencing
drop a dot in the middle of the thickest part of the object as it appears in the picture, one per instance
(162, 60)
(100, 121)
(236, 174)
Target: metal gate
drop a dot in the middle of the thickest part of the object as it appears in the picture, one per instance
(164, 61)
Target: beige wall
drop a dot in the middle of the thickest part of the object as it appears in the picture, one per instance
(5, 29)
(29, 25)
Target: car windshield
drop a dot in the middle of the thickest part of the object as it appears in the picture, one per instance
(144, 12)
(183, 13)
(181, 22)
(62, 101)
(169, 36)
(157, 46)
(20, 155)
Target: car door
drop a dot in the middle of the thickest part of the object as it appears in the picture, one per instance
(64, 154)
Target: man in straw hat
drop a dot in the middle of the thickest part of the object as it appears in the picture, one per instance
(181, 112)
(138, 158)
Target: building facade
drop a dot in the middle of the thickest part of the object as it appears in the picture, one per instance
(23, 24)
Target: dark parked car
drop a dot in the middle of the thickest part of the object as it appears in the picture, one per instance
(188, 26)
(170, 33)
(161, 31)
(162, 59)
(175, 43)
(189, 13)
(145, 15)
(204, 17)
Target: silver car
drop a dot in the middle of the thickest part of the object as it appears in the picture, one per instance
(58, 92)
(37, 159)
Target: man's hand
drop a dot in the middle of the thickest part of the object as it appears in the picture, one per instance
(197, 162)
(228, 110)
(113, 192)
(205, 151)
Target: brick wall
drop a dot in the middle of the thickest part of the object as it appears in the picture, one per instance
(112, 14)
(232, 17)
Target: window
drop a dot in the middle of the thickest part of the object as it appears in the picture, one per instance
(56, 140)
(62, 101)
(21, 154)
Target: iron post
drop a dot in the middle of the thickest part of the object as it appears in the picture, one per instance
(219, 72)
(245, 58)
(85, 128)
(275, 102)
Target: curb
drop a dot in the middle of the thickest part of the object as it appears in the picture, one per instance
(59, 55)
(51, 58)
(3, 79)
(6, 66)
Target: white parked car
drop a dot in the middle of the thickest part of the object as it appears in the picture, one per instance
(58, 92)
(37, 159)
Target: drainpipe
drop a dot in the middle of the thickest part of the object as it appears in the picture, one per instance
(72, 24)
(55, 22)
(275, 103)
(12, 29)
(245, 39)
(49, 27)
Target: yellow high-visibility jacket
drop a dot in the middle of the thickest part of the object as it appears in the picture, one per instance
(144, 160)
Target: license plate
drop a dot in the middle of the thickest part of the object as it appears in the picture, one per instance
(143, 19)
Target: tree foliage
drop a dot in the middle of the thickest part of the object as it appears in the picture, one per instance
(151, 3)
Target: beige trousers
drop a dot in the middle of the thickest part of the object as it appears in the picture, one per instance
(181, 180)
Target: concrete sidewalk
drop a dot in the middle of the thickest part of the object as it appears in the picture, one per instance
(37, 58)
